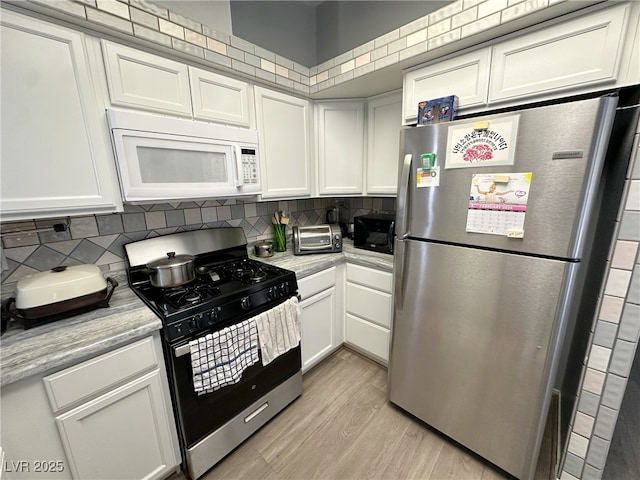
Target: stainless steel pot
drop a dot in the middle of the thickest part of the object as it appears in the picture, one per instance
(173, 271)
(263, 249)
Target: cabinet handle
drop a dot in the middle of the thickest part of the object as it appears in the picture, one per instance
(256, 412)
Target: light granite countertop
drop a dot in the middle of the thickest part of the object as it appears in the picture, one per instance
(50, 347)
(305, 265)
(24, 353)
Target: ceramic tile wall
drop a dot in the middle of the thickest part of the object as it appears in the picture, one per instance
(148, 22)
(99, 239)
(614, 341)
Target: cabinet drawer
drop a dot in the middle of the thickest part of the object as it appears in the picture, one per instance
(371, 304)
(370, 277)
(317, 282)
(367, 337)
(83, 380)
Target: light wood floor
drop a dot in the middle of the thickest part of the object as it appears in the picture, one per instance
(343, 428)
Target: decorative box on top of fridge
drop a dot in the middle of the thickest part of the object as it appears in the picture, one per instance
(437, 110)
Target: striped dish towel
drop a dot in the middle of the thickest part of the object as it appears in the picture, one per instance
(278, 329)
(219, 358)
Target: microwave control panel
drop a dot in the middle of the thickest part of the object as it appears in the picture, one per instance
(249, 166)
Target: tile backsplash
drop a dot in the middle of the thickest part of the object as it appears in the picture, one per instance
(33, 246)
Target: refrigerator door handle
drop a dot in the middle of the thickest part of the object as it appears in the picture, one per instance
(403, 193)
(398, 273)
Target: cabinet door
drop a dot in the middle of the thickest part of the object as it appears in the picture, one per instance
(584, 52)
(384, 119)
(340, 147)
(317, 327)
(466, 76)
(122, 434)
(56, 157)
(283, 125)
(141, 80)
(219, 98)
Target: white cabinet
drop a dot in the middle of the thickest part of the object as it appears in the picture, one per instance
(369, 311)
(321, 323)
(128, 424)
(56, 153)
(384, 119)
(218, 98)
(340, 147)
(466, 76)
(107, 417)
(284, 128)
(568, 56)
(141, 80)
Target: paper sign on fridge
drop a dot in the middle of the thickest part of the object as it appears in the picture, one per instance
(482, 143)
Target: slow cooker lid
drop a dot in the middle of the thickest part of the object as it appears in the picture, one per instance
(58, 284)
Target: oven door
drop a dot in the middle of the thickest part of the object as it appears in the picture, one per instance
(200, 415)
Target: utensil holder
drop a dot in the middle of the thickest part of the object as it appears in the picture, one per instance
(279, 237)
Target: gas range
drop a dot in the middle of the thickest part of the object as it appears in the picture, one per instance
(228, 285)
(227, 288)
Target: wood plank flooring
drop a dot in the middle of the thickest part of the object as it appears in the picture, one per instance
(342, 427)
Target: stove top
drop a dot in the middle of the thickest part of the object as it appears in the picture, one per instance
(222, 293)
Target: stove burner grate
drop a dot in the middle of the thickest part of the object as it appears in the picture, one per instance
(181, 297)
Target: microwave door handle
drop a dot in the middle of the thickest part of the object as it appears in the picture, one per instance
(238, 161)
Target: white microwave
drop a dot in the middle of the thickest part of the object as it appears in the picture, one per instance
(161, 158)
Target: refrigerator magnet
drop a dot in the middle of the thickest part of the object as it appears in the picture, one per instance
(494, 143)
(428, 177)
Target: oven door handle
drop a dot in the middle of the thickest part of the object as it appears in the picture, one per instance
(182, 350)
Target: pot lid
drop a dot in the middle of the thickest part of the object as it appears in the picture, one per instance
(172, 260)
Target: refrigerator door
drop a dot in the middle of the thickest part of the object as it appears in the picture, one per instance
(473, 336)
(563, 146)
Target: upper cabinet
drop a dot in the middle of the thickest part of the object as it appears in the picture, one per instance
(218, 98)
(340, 147)
(384, 118)
(56, 152)
(145, 81)
(466, 76)
(284, 131)
(568, 56)
(582, 54)
(138, 79)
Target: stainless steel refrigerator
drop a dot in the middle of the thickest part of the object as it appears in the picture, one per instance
(495, 218)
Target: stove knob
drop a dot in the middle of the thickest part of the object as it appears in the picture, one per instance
(270, 293)
(245, 303)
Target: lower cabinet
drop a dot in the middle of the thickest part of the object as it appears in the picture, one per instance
(368, 311)
(321, 324)
(107, 417)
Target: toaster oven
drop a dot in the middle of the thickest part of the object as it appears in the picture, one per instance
(317, 239)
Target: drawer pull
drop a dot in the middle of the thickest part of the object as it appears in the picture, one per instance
(257, 412)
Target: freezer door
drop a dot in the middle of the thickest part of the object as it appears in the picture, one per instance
(563, 146)
(473, 345)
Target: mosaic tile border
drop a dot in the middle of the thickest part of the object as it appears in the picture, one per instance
(457, 23)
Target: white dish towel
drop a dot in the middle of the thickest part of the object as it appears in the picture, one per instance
(219, 358)
(278, 329)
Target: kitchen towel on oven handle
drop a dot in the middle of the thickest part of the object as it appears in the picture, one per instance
(279, 329)
(219, 358)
